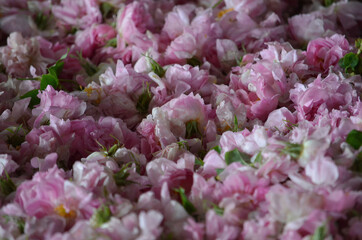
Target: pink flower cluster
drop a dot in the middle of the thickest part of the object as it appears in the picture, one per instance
(172, 119)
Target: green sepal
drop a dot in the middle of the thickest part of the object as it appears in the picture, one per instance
(217, 148)
(121, 176)
(219, 170)
(194, 61)
(236, 125)
(102, 215)
(258, 158)
(328, 3)
(107, 10)
(7, 185)
(319, 233)
(199, 162)
(15, 139)
(144, 100)
(192, 129)
(188, 206)
(111, 43)
(292, 149)
(156, 68)
(41, 21)
(237, 156)
(218, 210)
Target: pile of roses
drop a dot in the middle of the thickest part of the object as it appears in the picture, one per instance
(176, 119)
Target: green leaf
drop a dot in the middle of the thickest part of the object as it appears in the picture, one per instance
(237, 156)
(7, 186)
(217, 149)
(121, 176)
(188, 206)
(34, 98)
(102, 215)
(144, 100)
(319, 233)
(156, 68)
(349, 62)
(354, 139)
(194, 61)
(192, 129)
(112, 43)
(49, 79)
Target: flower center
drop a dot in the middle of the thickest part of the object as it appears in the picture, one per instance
(60, 210)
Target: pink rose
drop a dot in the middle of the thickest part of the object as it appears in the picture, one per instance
(325, 52)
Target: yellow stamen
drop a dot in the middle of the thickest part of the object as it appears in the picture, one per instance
(223, 12)
(88, 90)
(60, 210)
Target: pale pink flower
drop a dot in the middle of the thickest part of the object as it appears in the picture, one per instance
(49, 193)
(281, 120)
(194, 229)
(168, 123)
(93, 37)
(217, 228)
(132, 23)
(260, 228)
(21, 54)
(181, 48)
(354, 230)
(292, 60)
(48, 162)
(328, 93)
(250, 7)
(339, 200)
(291, 206)
(185, 79)
(228, 106)
(275, 167)
(260, 86)
(323, 53)
(59, 104)
(162, 171)
(7, 164)
(81, 14)
(227, 52)
(307, 27)
(322, 171)
(212, 161)
(177, 20)
(93, 176)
